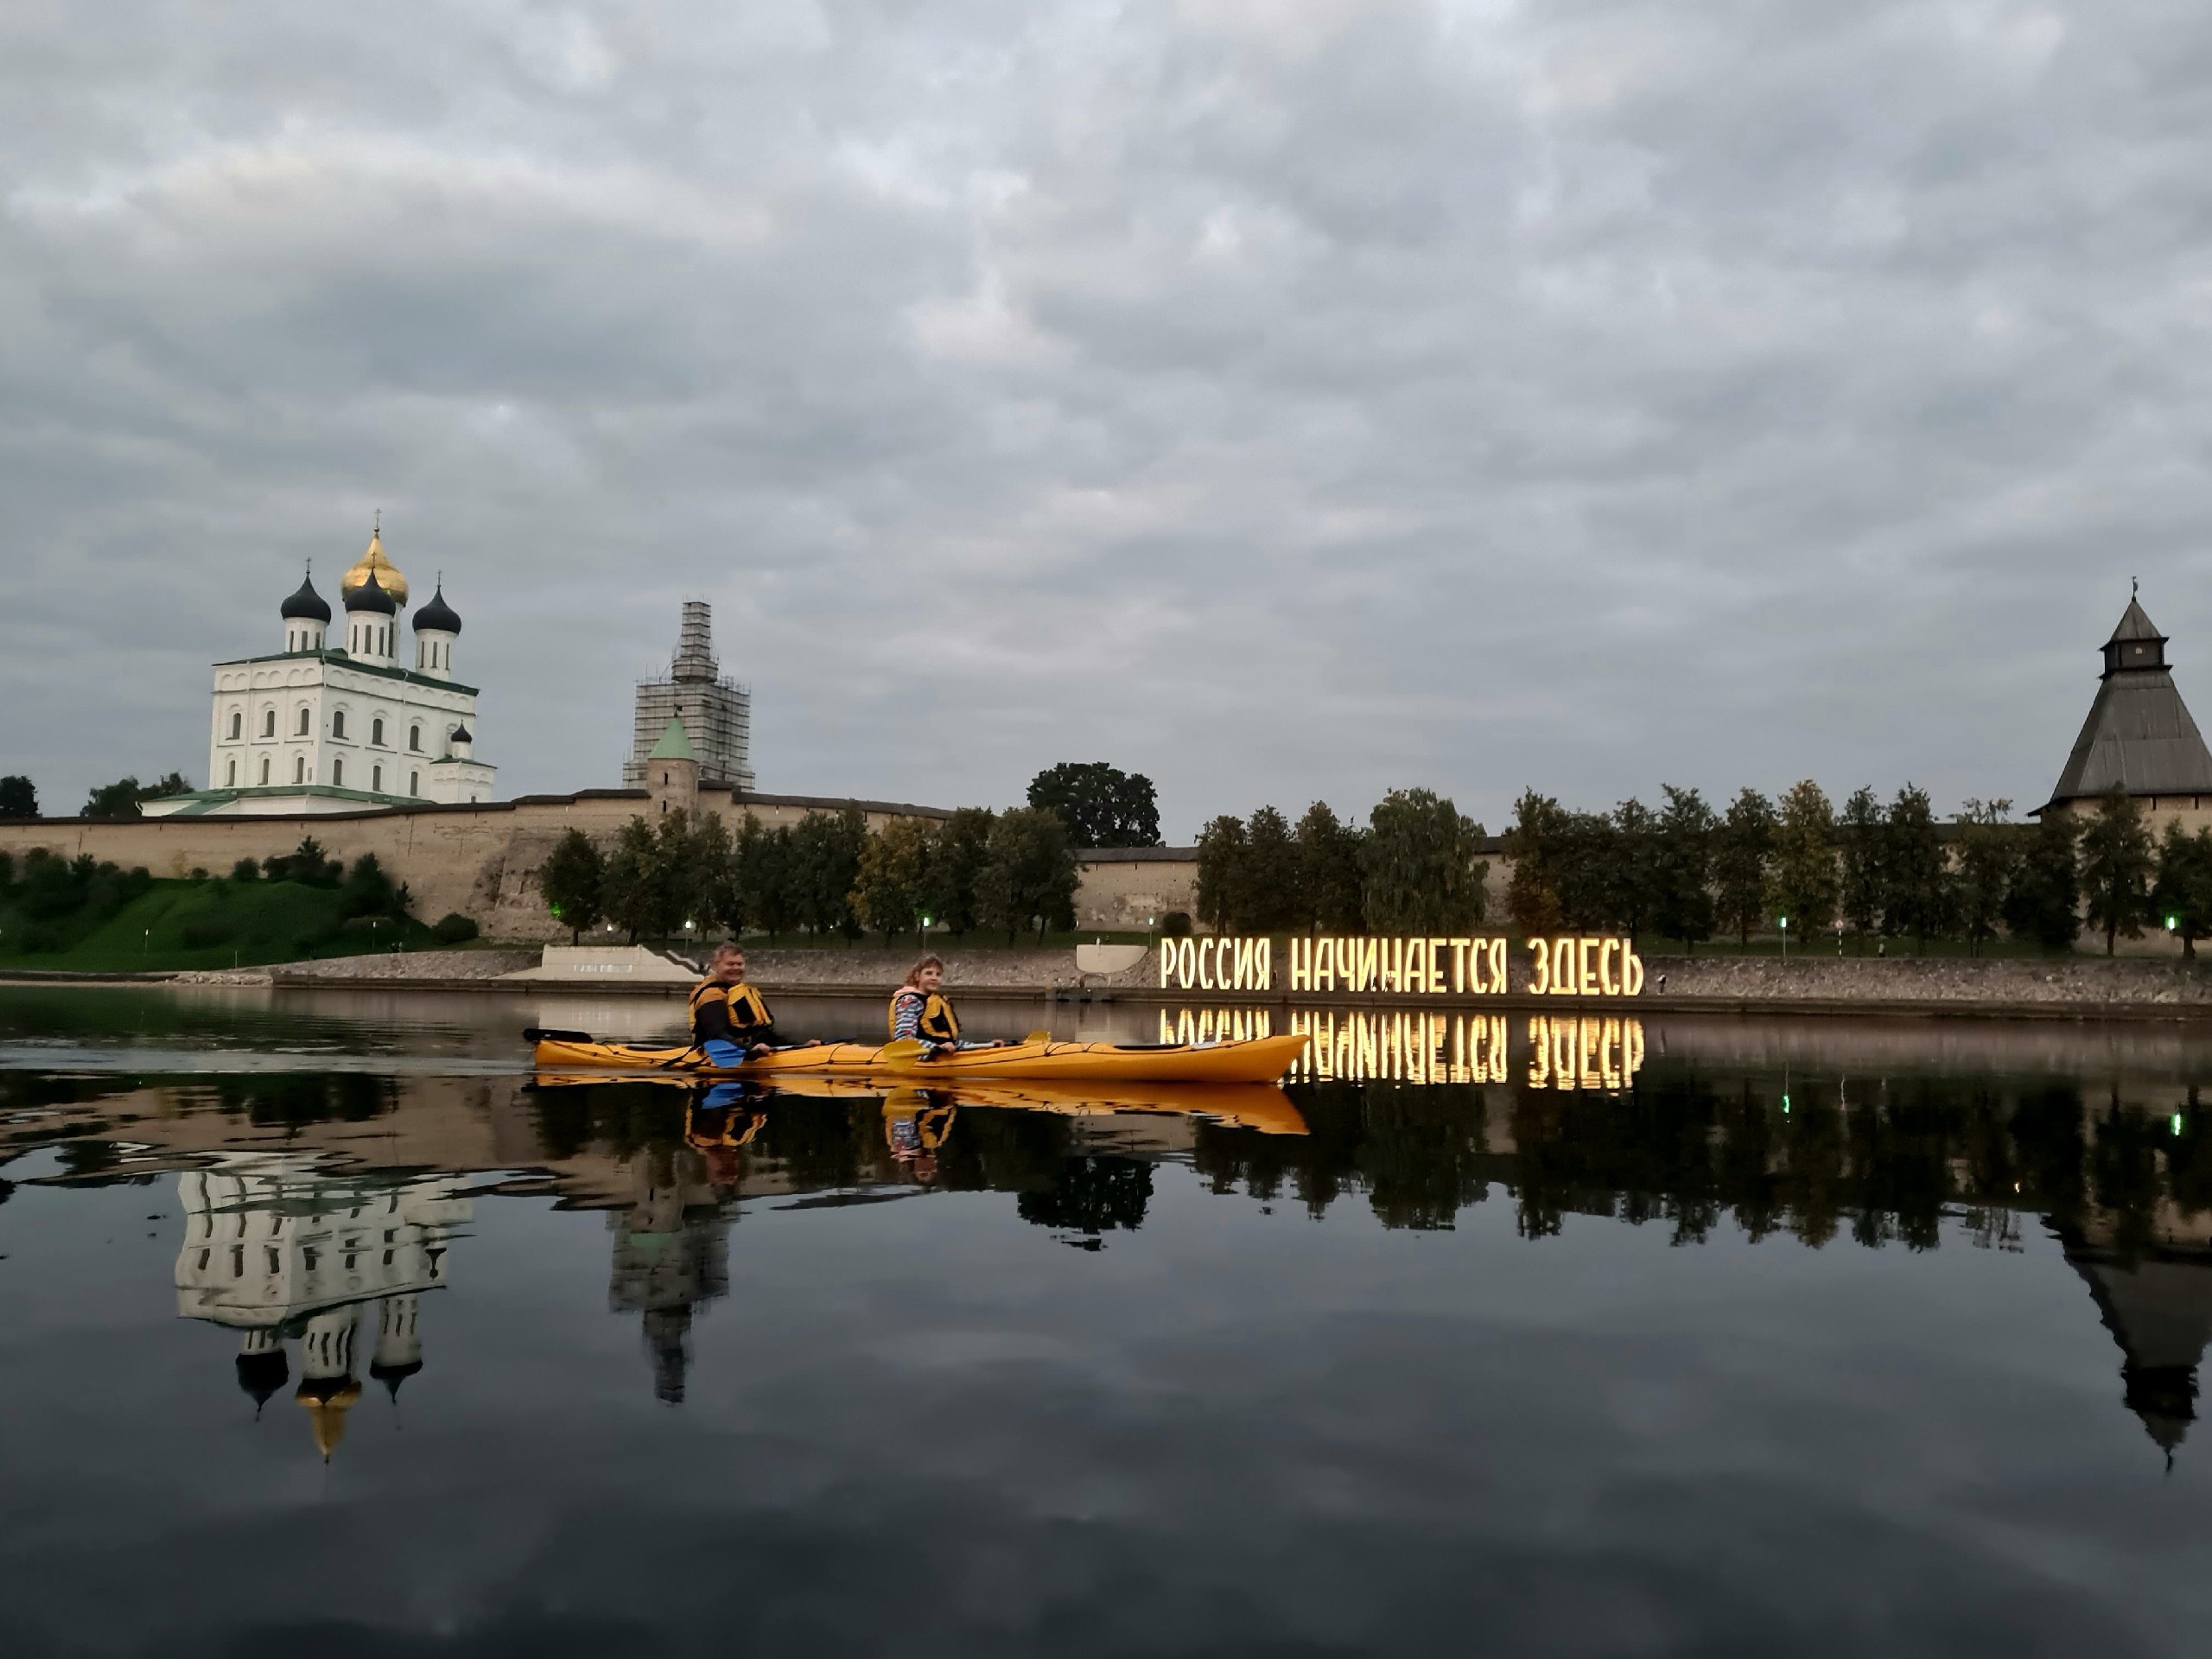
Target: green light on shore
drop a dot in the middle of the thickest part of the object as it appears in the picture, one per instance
(2177, 1123)
(2172, 922)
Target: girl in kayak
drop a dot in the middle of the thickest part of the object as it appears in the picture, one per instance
(729, 1019)
(920, 1009)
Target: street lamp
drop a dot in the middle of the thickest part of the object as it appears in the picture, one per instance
(1785, 922)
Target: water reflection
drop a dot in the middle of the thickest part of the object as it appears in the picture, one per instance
(320, 1210)
(284, 1252)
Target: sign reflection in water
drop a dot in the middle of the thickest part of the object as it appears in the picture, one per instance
(1359, 1045)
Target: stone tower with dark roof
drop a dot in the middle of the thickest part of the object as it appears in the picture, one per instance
(2138, 738)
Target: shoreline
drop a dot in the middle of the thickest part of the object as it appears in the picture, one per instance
(2064, 1009)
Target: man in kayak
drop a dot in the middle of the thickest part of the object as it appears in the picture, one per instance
(920, 1009)
(729, 1020)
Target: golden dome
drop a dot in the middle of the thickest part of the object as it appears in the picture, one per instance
(325, 1408)
(388, 576)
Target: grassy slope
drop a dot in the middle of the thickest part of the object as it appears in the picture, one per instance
(261, 922)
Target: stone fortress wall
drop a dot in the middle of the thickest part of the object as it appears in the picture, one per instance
(480, 861)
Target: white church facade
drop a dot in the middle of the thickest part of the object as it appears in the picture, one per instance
(338, 727)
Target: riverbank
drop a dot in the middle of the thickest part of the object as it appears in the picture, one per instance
(2012, 986)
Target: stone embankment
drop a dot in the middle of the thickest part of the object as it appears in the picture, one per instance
(867, 968)
(2082, 984)
(440, 966)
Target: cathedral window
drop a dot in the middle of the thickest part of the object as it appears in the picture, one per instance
(269, 722)
(376, 730)
(415, 739)
(264, 771)
(376, 778)
(299, 768)
(237, 724)
(230, 774)
(338, 774)
(303, 723)
(337, 724)
(414, 783)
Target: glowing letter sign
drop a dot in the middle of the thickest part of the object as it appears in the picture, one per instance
(1217, 964)
(1575, 965)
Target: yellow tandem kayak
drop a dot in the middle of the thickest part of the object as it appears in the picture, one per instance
(1260, 1059)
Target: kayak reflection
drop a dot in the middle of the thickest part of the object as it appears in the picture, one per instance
(1260, 1106)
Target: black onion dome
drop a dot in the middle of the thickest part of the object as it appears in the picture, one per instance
(306, 604)
(438, 615)
(461, 735)
(371, 596)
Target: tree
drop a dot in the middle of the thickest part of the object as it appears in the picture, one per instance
(1917, 896)
(1533, 845)
(2043, 901)
(1029, 873)
(963, 843)
(18, 798)
(1330, 882)
(368, 891)
(2181, 899)
(1633, 868)
(117, 800)
(1422, 873)
(1274, 901)
(1859, 840)
(572, 882)
(1989, 860)
(1589, 870)
(1804, 876)
(765, 871)
(1742, 854)
(1683, 900)
(305, 863)
(1221, 872)
(716, 901)
(636, 889)
(826, 847)
(1101, 805)
(893, 887)
(2116, 867)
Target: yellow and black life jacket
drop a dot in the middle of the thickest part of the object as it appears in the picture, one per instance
(742, 1014)
(938, 1024)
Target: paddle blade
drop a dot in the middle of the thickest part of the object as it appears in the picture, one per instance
(1040, 1035)
(541, 1034)
(906, 1048)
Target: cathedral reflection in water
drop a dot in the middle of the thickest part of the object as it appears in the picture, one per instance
(283, 1252)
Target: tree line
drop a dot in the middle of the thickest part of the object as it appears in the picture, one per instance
(826, 875)
(120, 799)
(1414, 868)
(1875, 869)
(1799, 866)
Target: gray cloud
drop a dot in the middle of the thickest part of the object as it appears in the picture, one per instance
(1285, 399)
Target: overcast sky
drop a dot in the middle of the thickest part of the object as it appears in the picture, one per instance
(1285, 399)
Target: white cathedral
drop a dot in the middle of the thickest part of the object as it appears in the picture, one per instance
(324, 728)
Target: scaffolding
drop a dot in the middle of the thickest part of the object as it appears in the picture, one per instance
(716, 713)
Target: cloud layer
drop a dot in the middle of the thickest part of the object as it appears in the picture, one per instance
(1287, 399)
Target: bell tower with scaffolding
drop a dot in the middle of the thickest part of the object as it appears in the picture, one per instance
(714, 710)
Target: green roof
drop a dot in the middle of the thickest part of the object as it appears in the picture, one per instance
(673, 745)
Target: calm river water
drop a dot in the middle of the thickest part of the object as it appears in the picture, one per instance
(326, 1328)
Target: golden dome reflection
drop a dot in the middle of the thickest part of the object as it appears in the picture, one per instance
(388, 576)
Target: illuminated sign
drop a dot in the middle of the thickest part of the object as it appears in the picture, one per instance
(1583, 967)
(1217, 964)
(1362, 1046)
(1571, 965)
